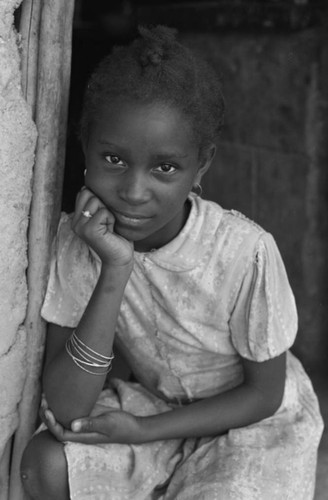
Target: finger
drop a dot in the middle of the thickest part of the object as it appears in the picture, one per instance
(89, 206)
(83, 198)
(44, 404)
(97, 424)
(53, 426)
(97, 230)
(82, 425)
(41, 415)
(85, 437)
(43, 407)
(50, 418)
(101, 409)
(104, 220)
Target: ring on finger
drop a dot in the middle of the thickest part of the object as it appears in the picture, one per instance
(86, 214)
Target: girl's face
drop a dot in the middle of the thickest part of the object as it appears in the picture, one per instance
(142, 161)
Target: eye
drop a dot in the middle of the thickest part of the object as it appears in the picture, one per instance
(166, 168)
(114, 160)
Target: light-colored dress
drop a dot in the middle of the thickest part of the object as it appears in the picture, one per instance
(218, 291)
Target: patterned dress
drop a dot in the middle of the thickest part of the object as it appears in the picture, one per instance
(216, 292)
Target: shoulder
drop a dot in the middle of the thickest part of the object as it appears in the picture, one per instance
(242, 222)
(73, 274)
(68, 246)
(65, 232)
(230, 226)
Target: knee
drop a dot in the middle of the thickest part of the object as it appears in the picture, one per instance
(44, 468)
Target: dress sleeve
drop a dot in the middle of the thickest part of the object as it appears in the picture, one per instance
(264, 319)
(74, 272)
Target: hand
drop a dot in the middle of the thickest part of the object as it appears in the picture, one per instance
(110, 426)
(98, 230)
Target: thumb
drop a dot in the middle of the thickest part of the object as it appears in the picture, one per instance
(90, 424)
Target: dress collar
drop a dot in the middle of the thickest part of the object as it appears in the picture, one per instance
(187, 249)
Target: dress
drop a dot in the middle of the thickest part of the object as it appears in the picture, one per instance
(190, 309)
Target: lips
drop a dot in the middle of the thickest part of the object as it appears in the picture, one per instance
(131, 219)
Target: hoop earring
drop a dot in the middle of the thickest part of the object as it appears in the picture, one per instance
(197, 189)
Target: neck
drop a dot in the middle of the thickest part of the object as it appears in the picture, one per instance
(157, 240)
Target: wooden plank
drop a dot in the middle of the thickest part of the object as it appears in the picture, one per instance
(4, 471)
(29, 28)
(51, 105)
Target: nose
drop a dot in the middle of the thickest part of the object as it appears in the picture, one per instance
(135, 189)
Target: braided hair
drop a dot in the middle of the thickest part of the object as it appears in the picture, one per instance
(155, 67)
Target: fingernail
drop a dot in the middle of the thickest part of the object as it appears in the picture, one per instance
(76, 426)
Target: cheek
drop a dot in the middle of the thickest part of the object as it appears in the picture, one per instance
(90, 181)
(101, 188)
(174, 200)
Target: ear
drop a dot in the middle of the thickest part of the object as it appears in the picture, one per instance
(206, 157)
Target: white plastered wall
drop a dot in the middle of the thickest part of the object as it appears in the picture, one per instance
(17, 146)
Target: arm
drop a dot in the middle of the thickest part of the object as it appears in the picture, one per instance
(258, 397)
(70, 391)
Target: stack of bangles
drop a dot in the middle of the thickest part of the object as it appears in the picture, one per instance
(86, 358)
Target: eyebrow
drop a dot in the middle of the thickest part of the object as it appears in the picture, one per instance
(159, 156)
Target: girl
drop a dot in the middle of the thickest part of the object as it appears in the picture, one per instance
(195, 297)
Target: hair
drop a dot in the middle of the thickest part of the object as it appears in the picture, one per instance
(155, 67)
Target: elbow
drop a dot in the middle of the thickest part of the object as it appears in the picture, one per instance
(270, 405)
(263, 403)
(60, 414)
(270, 409)
(55, 404)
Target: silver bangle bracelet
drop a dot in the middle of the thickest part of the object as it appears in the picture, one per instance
(83, 356)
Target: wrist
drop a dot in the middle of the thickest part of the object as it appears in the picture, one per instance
(145, 434)
(115, 271)
(113, 278)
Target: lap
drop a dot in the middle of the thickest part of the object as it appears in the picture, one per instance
(270, 460)
(221, 468)
(120, 471)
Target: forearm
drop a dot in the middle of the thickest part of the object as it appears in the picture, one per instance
(70, 391)
(238, 407)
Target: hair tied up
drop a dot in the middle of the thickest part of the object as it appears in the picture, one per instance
(156, 68)
(152, 56)
(154, 43)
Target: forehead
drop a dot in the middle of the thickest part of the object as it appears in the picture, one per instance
(130, 123)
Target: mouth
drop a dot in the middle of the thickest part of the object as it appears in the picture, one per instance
(131, 219)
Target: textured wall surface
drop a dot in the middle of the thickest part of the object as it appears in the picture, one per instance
(17, 143)
(272, 158)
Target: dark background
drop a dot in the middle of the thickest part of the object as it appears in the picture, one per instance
(272, 156)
